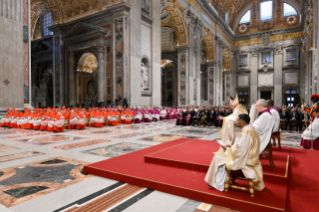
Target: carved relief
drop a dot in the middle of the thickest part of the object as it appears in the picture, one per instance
(182, 94)
(211, 86)
(266, 38)
(119, 51)
(176, 21)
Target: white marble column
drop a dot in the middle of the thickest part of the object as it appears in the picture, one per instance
(278, 62)
(156, 54)
(197, 54)
(219, 73)
(191, 62)
(233, 83)
(72, 79)
(101, 74)
(253, 77)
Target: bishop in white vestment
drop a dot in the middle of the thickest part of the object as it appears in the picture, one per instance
(229, 130)
(264, 124)
(242, 155)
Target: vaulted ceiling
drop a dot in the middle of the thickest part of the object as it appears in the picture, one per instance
(233, 7)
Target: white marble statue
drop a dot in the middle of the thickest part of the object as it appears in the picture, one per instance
(145, 79)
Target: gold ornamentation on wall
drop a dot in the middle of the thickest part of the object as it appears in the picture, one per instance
(208, 39)
(227, 59)
(177, 22)
(64, 11)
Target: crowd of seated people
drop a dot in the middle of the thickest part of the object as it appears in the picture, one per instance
(58, 119)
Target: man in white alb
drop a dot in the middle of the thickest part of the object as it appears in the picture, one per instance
(263, 124)
(275, 115)
(242, 155)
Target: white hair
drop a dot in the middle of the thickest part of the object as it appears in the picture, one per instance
(262, 102)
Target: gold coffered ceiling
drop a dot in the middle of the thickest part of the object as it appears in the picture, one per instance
(67, 10)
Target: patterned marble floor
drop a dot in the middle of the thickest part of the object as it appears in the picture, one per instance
(41, 171)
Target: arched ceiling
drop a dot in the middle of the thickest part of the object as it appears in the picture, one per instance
(67, 10)
(233, 7)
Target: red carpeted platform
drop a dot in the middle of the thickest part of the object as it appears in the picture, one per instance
(132, 168)
(198, 154)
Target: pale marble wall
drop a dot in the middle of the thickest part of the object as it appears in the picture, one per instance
(11, 54)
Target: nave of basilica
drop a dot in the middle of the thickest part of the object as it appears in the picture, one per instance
(159, 105)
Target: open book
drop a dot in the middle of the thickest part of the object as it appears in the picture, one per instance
(253, 113)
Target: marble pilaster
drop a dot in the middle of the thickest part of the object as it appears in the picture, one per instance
(253, 77)
(278, 63)
(197, 51)
(72, 84)
(183, 75)
(156, 54)
(210, 76)
(101, 74)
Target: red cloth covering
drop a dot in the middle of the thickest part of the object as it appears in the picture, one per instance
(81, 127)
(37, 127)
(13, 125)
(307, 143)
(73, 126)
(58, 129)
(43, 128)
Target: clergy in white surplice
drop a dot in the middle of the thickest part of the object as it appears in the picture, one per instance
(264, 124)
(242, 155)
(229, 131)
(275, 115)
(309, 138)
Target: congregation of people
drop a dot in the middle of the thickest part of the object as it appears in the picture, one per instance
(246, 131)
(58, 119)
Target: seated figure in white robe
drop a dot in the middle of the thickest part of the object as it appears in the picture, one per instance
(309, 138)
(242, 155)
(264, 124)
(275, 115)
(229, 130)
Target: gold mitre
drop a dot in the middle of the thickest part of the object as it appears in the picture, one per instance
(234, 102)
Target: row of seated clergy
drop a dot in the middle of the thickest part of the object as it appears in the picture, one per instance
(242, 155)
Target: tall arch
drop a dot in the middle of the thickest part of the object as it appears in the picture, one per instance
(208, 39)
(176, 21)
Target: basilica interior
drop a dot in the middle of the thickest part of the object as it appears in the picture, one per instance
(147, 54)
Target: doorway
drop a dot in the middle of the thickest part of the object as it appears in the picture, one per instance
(265, 95)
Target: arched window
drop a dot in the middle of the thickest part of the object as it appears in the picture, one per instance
(246, 18)
(226, 17)
(266, 11)
(47, 22)
(289, 10)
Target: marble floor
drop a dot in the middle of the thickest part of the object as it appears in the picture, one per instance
(41, 171)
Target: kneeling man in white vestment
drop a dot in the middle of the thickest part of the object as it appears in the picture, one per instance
(242, 155)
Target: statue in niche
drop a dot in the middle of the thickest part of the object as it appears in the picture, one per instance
(145, 79)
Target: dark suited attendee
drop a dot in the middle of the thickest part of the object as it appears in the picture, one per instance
(294, 119)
